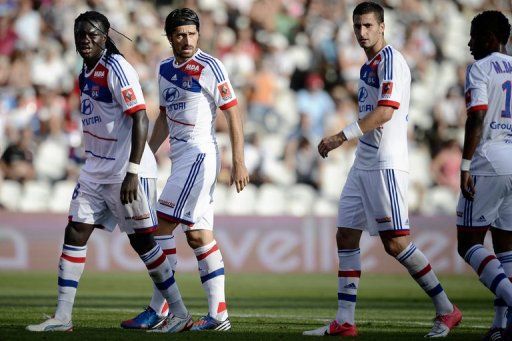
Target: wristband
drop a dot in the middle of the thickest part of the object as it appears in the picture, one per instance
(465, 165)
(352, 131)
(132, 168)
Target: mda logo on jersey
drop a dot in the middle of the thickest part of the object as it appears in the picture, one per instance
(171, 94)
(129, 96)
(86, 107)
(224, 90)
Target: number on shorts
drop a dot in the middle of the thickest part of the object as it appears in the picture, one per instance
(76, 191)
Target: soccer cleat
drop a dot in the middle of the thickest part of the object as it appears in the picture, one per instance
(174, 324)
(209, 323)
(444, 323)
(148, 319)
(494, 334)
(51, 325)
(333, 328)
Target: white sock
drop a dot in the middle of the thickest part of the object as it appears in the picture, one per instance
(71, 266)
(211, 271)
(418, 266)
(160, 272)
(168, 245)
(348, 282)
(490, 272)
(500, 307)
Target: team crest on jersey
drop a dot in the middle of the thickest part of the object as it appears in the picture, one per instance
(387, 89)
(129, 96)
(224, 90)
(95, 91)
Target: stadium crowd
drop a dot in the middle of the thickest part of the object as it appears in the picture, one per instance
(295, 68)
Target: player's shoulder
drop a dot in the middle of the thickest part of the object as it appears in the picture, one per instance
(118, 66)
(390, 54)
(166, 61)
(210, 65)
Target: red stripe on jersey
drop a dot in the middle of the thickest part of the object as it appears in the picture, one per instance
(146, 230)
(394, 233)
(387, 103)
(477, 107)
(422, 272)
(169, 251)
(229, 105)
(353, 273)
(99, 137)
(134, 109)
(157, 262)
(172, 219)
(484, 263)
(207, 253)
(73, 259)
(182, 123)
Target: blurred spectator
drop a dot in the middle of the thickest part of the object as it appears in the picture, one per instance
(445, 166)
(16, 162)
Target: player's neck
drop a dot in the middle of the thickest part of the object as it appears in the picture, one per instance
(93, 61)
(375, 49)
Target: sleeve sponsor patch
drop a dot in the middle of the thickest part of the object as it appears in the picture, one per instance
(387, 88)
(224, 90)
(129, 97)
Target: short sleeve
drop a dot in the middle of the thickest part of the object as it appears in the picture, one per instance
(161, 99)
(125, 86)
(391, 86)
(476, 89)
(215, 79)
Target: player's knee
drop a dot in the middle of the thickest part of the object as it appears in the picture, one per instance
(347, 238)
(199, 238)
(141, 243)
(394, 246)
(76, 234)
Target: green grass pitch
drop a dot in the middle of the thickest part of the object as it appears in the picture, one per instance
(262, 306)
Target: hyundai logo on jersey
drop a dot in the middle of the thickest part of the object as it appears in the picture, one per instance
(363, 94)
(171, 94)
(87, 107)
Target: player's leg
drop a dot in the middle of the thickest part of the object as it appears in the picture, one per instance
(386, 200)
(86, 213)
(158, 309)
(350, 213)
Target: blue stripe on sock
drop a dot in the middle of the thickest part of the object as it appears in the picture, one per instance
(496, 281)
(67, 283)
(73, 248)
(165, 284)
(346, 297)
(468, 256)
(211, 275)
(435, 291)
(407, 254)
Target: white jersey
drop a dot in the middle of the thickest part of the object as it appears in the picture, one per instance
(109, 93)
(190, 94)
(385, 80)
(489, 87)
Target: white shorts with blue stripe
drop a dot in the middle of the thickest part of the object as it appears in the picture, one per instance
(491, 205)
(100, 204)
(187, 197)
(375, 201)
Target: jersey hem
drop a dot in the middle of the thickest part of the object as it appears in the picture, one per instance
(136, 108)
(477, 107)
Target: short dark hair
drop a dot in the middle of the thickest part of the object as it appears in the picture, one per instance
(494, 22)
(370, 7)
(93, 16)
(180, 17)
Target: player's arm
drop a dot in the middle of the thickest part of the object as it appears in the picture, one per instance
(472, 136)
(239, 174)
(372, 120)
(139, 136)
(160, 131)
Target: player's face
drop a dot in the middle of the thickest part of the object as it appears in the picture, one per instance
(89, 41)
(184, 41)
(479, 44)
(368, 30)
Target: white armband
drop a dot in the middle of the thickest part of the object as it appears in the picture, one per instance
(352, 131)
(132, 168)
(465, 165)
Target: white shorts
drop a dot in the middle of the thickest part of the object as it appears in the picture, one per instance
(100, 204)
(375, 201)
(491, 206)
(187, 197)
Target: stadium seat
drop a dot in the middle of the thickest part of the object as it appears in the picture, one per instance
(299, 200)
(271, 200)
(10, 193)
(35, 196)
(242, 203)
(51, 159)
(279, 173)
(61, 196)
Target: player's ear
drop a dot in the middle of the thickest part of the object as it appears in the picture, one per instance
(382, 27)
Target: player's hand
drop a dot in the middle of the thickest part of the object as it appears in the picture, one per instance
(466, 185)
(329, 143)
(129, 188)
(239, 177)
